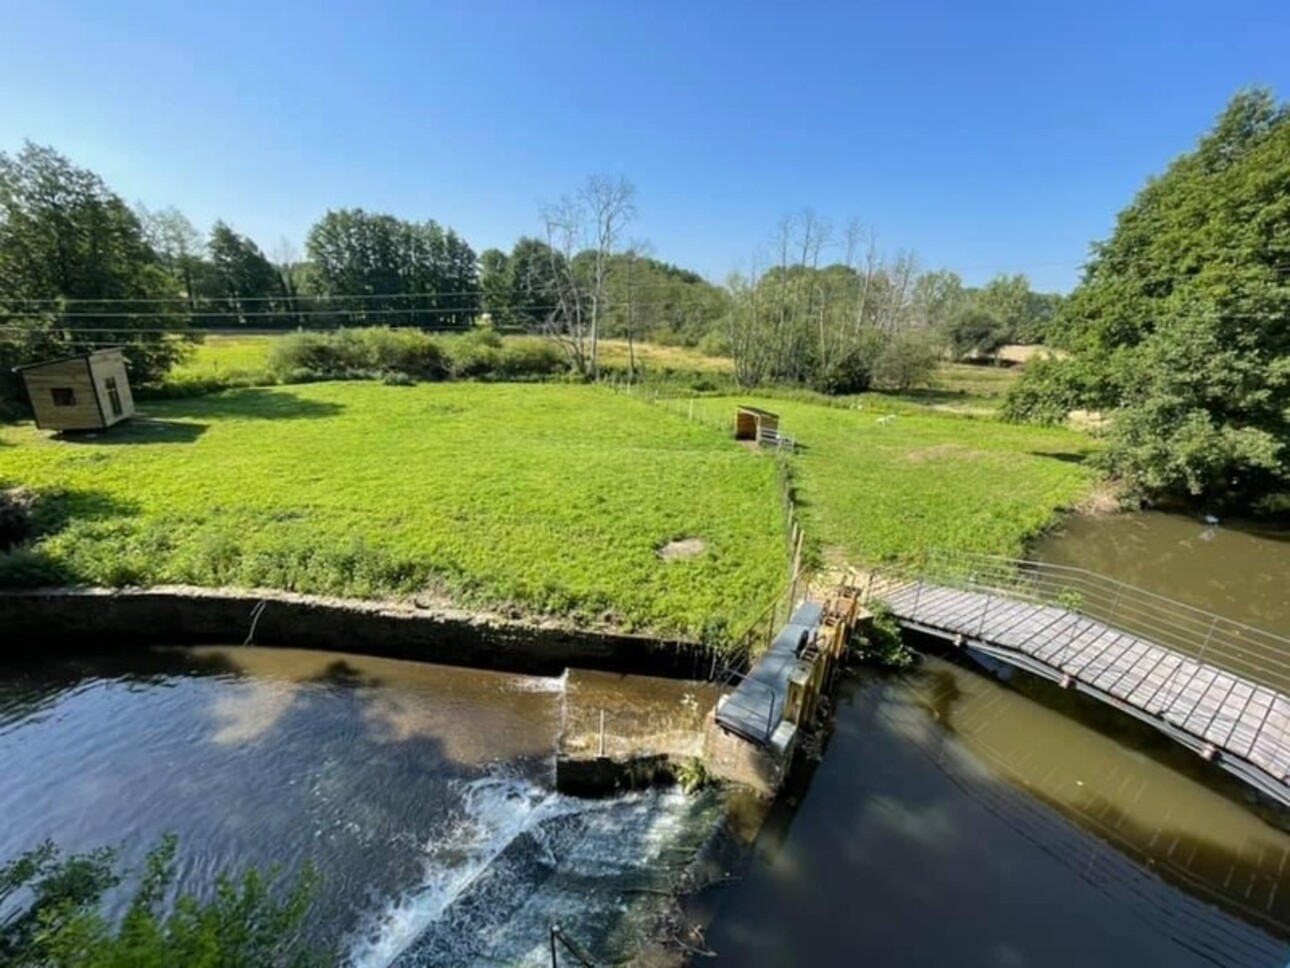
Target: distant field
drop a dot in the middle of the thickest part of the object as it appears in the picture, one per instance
(244, 358)
(979, 385)
(555, 498)
(922, 480)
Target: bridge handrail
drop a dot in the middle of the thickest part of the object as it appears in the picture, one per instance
(1202, 634)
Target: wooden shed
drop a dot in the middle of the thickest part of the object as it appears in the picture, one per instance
(752, 423)
(86, 392)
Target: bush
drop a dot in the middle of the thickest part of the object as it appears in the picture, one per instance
(906, 360)
(882, 644)
(357, 354)
(54, 916)
(530, 356)
(714, 343)
(1049, 389)
(475, 354)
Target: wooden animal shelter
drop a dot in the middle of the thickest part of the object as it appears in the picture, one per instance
(86, 392)
(753, 423)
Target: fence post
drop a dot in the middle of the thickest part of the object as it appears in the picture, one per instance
(1208, 635)
(918, 597)
(980, 630)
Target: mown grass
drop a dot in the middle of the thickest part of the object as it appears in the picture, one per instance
(922, 480)
(554, 498)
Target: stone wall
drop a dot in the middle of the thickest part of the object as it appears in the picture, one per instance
(98, 618)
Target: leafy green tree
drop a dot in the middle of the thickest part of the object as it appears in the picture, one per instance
(495, 286)
(407, 273)
(76, 271)
(976, 332)
(245, 286)
(1180, 328)
(52, 916)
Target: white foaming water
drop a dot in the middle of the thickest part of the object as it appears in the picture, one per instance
(493, 812)
(549, 684)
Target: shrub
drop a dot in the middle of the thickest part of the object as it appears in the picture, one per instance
(356, 354)
(905, 361)
(529, 356)
(882, 644)
(714, 343)
(54, 915)
(474, 354)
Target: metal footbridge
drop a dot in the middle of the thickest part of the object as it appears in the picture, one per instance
(1219, 687)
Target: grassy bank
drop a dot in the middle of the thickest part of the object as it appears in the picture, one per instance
(553, 497)
(874, 487)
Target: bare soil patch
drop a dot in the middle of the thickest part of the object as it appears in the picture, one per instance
(682, 549)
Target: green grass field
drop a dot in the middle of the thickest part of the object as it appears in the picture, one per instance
(554, 498)
(922, 480)
(550, 498)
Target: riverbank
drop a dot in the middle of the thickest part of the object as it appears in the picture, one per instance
(165, 615)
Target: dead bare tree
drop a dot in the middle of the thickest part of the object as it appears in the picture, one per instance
(610, 204)
(584, 229)
(562, 223)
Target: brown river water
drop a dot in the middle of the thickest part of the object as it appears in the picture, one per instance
(1240, 570)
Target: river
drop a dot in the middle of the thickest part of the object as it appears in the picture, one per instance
(421, 794)
(974, 815)
(1237, 569)
(956, 819)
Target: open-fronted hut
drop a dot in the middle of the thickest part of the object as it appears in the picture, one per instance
(752, 422)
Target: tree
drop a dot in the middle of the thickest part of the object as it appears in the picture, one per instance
(840, 328)
(77, 272)
(381, 269)
(1180, 327)
(583, 232)
(976, 332)
(178, 246)
(246, 288)
(495, 285)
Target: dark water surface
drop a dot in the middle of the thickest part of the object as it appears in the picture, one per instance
(1239, 570)
(957, 820)
(422, 794)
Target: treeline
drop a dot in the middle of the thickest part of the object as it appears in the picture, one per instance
(1179, 332)
(79, 269)
(868, 321)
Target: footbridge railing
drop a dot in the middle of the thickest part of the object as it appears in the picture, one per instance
(1253, 653)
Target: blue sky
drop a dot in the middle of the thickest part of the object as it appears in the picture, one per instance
(985, 137)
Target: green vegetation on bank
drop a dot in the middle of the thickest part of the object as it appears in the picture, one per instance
(1180, 329)
(555, 498)
(53, 916)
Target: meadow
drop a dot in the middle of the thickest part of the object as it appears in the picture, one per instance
(545, 498)
(550, 498)
(878, 481)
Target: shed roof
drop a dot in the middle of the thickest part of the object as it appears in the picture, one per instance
(757, 410)
(108, 351)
